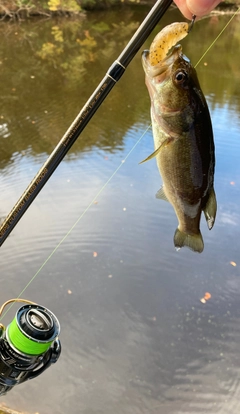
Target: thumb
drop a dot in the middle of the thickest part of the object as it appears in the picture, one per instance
(201, 7)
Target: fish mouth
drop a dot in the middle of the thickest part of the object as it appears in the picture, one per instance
(163, 68)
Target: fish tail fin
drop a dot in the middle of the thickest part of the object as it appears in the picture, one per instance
(194, 242)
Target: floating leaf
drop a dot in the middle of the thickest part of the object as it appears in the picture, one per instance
(207, 296)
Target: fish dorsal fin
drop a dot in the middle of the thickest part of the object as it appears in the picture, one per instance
(155, 153)
(210, 209)
(161, 194)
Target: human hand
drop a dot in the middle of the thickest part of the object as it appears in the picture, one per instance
(196, 7)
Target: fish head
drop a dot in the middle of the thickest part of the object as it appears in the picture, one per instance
(171, 81)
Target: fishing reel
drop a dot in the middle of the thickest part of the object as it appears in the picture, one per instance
(29, 344)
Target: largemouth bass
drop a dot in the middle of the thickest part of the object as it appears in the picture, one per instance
(183, 143)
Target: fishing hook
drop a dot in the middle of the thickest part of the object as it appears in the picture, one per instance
(192, 23)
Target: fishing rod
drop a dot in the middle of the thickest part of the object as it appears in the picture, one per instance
(113, 74)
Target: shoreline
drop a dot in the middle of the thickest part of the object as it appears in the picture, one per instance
(7, 410)
(11, 10)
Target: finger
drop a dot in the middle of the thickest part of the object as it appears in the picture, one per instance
(181, 4)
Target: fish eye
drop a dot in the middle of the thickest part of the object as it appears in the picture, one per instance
(180, 76)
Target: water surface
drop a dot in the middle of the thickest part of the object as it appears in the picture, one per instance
(135, 336)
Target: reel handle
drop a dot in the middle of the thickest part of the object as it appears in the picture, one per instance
(48, 359)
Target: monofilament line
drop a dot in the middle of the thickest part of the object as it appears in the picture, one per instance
(211, 45)
(78, 220)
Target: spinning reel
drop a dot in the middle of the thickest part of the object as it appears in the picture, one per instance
(29, 344)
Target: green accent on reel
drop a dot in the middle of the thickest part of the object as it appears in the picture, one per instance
(23, 343)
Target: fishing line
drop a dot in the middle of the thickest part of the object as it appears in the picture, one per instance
(76, 222)
(211, 45)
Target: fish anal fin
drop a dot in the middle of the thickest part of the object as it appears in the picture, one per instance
(155, 153)
(161, 194)
(194, 242)
(210, 209)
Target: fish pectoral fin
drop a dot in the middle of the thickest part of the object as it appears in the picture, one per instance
(152, 155)
(210, 209)
(194, 242)
(161, 194)
(155, 153)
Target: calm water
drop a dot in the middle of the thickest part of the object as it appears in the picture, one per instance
(135, 336)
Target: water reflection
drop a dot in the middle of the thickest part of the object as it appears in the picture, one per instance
(135, 336)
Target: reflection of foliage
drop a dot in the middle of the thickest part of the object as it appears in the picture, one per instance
(214, 62)
(50, 50)
(60, 62)
(80, 46)
(89, 41)
(57, 34)
(83, 49)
